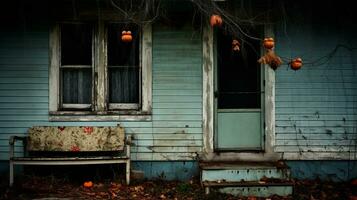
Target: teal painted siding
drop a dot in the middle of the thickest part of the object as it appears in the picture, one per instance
(324, 170)
(316, 107)
(175, 132)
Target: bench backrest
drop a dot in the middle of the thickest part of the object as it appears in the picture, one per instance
(75, 138)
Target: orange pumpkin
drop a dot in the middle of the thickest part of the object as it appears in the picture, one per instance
(216, 20)
(268, 43)
(88, 184)
(126, 36)
(296, 64)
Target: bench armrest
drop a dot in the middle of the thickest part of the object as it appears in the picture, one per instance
(128, 143)
(13, 139)
(128, 140)
(12, 142)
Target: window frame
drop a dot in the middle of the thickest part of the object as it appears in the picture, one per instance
(101, 109)
(124, 106)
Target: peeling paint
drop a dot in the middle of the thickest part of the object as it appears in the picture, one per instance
(207, 96)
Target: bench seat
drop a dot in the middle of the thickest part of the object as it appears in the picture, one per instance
(72, 146)
(71, 158)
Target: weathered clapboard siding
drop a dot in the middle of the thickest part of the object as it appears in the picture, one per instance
(175, 132)
(316, 107)
(177, 94)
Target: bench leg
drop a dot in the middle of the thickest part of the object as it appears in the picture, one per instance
(11, 175)
(127, 172)
(207, 190)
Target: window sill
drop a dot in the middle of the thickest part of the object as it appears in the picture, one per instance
(77, 116)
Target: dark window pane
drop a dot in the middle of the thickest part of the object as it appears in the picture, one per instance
(238, 73)
(123, 53)
(124, 85)
(76, 44)
(77, 86)
(123, 64)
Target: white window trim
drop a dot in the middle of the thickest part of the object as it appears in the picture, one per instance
(100, 105)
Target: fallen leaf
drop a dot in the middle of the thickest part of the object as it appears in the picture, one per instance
(252, 198)
(103, 193)
(98, 185)
(113, 194)
(323, 195)
(90, 193)
(354, 182)
(139, 188)
(312, 197)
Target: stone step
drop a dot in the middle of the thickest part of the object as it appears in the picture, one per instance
(251, 188)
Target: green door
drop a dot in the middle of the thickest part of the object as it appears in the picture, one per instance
(238, 95)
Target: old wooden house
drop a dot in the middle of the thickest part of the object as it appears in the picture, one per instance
(181, 89)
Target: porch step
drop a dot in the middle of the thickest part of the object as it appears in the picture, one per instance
(243, 171)
(247, 178)
(252, 188)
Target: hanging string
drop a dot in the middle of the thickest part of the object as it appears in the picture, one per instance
(323, 59)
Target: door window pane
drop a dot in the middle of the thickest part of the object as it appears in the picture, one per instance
(238, 73)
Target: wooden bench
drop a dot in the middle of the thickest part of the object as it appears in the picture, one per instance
(52, 145)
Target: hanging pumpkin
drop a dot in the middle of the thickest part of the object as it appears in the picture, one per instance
(88, 184)
(126, 36)
(296, 64)
(216, 20)
(268, 43)
(235, 45)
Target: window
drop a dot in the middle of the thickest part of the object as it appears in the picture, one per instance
(94, 73)
(123, 69)
(76, 66)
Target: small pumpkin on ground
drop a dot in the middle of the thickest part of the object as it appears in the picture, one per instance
(88, 184)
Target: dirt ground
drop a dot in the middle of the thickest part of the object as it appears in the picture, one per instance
(51, 187)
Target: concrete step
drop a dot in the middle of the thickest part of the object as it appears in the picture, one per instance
(237, 172)
(247, 178)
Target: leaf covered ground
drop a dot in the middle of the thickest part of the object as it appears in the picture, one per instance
(50, 187)
(41, 186)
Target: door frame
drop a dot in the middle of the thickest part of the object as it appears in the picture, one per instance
(208, 121)
(262, 100)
